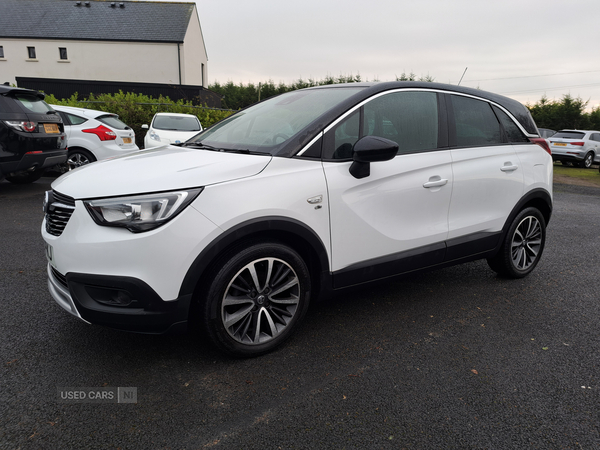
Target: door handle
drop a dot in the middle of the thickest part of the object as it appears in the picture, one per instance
(433, 182)
(508, 167)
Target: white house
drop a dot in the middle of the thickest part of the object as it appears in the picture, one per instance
(128, 41)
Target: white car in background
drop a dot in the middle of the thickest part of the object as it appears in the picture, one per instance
(94, 135)
(171, 128)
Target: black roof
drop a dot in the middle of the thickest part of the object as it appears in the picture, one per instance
(103, 20)
(9, 90)
(516, 108)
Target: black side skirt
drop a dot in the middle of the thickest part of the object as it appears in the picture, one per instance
(442, 254)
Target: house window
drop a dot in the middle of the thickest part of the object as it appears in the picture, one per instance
(62, 51)
(31, 52)
(1, 51)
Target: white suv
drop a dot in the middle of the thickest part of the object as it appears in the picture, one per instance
(577, 147)
(302, 194)
(94, 135)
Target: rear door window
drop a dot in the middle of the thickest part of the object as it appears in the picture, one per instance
(475, 123)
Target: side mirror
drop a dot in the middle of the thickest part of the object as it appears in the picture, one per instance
(145, 126)
(371, 149)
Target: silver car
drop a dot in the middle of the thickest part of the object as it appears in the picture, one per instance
(581, 148)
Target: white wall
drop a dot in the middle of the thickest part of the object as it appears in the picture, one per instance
(193, 54)
(88, 60)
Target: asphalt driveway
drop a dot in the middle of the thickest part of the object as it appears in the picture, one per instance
(456, 358)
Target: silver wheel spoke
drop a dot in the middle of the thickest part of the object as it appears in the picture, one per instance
(260, 301)
(234, 318)
(285, 287)
(526, 243)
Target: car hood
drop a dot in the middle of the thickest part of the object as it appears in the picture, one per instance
(155, 170)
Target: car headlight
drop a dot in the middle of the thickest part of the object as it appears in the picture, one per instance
(139, 213)
(155, 136)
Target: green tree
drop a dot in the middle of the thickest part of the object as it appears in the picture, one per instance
(567, 113)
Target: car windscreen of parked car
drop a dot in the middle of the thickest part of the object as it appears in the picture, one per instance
(569, 135)
(33, 103)
(113, 121)
(176, 123)
(268, 126)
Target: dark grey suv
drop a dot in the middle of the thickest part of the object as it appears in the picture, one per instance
(32, 135)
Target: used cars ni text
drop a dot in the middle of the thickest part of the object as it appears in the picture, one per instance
(286, 201)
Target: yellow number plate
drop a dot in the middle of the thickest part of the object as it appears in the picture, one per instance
(559, 144)
(51, 128)
(127, 140)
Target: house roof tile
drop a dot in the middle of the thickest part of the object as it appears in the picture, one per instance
(103, 20)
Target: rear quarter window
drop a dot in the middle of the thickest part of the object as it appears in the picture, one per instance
(75, 120)
(513, 132)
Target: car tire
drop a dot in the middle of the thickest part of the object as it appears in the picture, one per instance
(523, 245)
(79, 157)
(587, 161)
(256, 297)
(25, 177)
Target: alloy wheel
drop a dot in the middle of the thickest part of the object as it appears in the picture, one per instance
(77, 160)
(526, 243)
(260, 301)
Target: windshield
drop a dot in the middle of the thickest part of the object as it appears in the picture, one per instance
(176, 123)
(33, 103)
(113, 121)
(266, 127)
(569, 135)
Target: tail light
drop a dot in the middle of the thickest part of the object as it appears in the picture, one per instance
(542, 143)
(105, 134)
(29, 127)
(581, 144)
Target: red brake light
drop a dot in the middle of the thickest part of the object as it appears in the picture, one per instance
(542, 143)
(28, 126)
(581, 144)
(105, 134)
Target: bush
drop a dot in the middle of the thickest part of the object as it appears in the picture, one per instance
(138, 109)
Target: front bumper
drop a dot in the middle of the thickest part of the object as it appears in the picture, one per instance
(123, 303)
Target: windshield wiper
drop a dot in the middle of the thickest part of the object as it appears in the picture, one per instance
(243, 151)
(198, 145)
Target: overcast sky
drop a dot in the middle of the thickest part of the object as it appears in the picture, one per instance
(520, 48)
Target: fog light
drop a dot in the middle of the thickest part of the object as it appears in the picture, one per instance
(110, 297)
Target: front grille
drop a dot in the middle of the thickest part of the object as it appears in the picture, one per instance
(58, 213)
(59, 277)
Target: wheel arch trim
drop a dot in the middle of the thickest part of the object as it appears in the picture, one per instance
(532, 198)
(279, 226)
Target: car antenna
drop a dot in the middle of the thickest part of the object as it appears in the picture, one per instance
(462, 76)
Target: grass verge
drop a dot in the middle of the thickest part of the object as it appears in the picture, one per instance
(575, 175)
